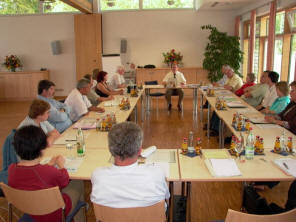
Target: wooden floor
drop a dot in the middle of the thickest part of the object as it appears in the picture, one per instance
(164, 129)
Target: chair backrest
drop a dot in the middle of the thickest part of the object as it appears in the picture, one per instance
(235, 216)
(155, 213)
(8, 152)
(37, 202)
(151, 82)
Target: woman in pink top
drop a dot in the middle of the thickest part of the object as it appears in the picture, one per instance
(29, 174)
(250, 81)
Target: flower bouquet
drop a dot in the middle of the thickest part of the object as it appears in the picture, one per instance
(12, 62)
(172, 57)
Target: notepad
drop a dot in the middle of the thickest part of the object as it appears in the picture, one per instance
(287, 164)
(222, 167)
(235, 104)
(71, 165)
(268, 126)
(85, 124)
(162, 156)
(257, 120)
(215, 154)
(69, 137)
(111, 103)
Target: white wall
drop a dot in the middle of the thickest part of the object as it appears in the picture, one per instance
(150, 33)
(29, 38)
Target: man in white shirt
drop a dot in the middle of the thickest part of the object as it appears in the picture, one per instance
(78, 101)
(271, 93)
(117, 80)
(174, 80)
(127, 184)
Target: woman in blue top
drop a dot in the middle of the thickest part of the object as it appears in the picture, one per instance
(282, 89)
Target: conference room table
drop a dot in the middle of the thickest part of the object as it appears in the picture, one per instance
(261, 168)
(193, 87)
(268, 132)
(99, 139)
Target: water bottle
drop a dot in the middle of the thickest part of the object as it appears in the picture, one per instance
(80, 143)
(283, 141)
(191, 149)
(250, 146)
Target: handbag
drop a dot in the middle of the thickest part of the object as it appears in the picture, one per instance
(253, 202)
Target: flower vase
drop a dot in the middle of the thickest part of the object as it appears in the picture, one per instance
(12, 69)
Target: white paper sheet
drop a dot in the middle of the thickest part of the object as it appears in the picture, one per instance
(287, 164)
(69, 137)
(223, 167)
(268, 126)
(71, 165)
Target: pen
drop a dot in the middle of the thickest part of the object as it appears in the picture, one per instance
(286, 165)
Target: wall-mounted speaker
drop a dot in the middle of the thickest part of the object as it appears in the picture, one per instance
(123, 46)
(56, 47)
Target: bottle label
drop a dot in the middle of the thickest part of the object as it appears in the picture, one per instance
(249, 152)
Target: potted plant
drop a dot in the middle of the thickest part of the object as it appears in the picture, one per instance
(221, 49)
(172, 57)
(171, 2)
(12, 62)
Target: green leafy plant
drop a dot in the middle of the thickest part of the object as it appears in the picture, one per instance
(221, 49)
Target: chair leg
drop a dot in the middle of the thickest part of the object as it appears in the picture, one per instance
(85, 211)
(9, 212)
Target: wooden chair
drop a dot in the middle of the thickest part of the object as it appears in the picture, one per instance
(155, 213)
(37, 202)
(235, 216)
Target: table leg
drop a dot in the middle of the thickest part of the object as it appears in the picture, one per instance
(188, 205)
(208, 127)
(142, 108)
(183, 189)
(220, 133)
(136, 113)
(195, 101)
(171, 201)
(201, 108)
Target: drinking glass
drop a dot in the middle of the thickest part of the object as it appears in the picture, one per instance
(239, 149)
(70, 150)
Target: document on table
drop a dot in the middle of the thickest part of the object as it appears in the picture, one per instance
(167, 156)
(268, 126)
(111, 103)
(71, 165)
(69, 137)
(235, 104)
(88, 123)
(287, 164)
(215, 154)
(257, 120)
(222, 167)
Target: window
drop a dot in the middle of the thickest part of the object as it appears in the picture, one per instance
(291, 16)
(278, 54)
(292, 59)
(279, 23)
(57, 6)
(265, 55)
(109, 5)
(256, 57)
(8, 7)
(162, 4)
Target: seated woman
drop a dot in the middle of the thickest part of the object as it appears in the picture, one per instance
(250, 81)
(282, 90)
(103, 89)
(93, 97)
(38, 115)
(287, 117)
(29, 174)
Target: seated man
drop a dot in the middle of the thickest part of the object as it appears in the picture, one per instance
(172, 80)
(234, 82)
(117, 80)
(79, 102)
(127, 184)
(59, 113)
(271, 94)
(254, 95)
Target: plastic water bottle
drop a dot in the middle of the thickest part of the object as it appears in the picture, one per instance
(80, 143)
(191, 149)
(250, 146)
(283, 141)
